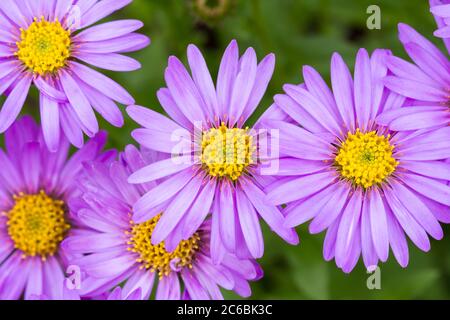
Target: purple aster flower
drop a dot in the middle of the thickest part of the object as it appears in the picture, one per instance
(36, 187)
(217, 165)
(118, 249)
(368, 186)
(426, 84)
(45, 42)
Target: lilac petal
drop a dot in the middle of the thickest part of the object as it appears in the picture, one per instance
(415, 232)
(221, 275)
(353, 257)
(217, 250)
(92, 243)
(13, 12)
(88, 153)
(430, 188)
(298, 213)
(287, 105)
(62, 7)
(441, 10)
(348, 227)
(418, 210)
(313, 106)
(226, 77)
(6, 51)
(249, 222)
(202, 79)
(300, 188)
(273, 217)
(101, 10)
(102, 83)
(110, 61)
(378, 223)
(397, 239)
(14, 103)
(194, 288)
(152, 120)
(7, 67)
(440, 211)
(141, 279)
(110, 268)
(379, 71)
(243, 86)
(108, 30)
(184, 92)
(432, 169)
(329, 242)
(209, 284)
(369, 254)
(332, 209)
(53, 279)
(103, 105)
(70, 126)
(35, 281)
(319, 88)
(199, 210)
(169, 288)
(363, 88)
(10, 176)
(128, 43)
(408, 34)
(227, 217)
(298, 167)
(170, 106)
(176, 210)
(407, 70)
(442, 32)
(420, 120)
(91, 219)
(160, 194)
(161, 169)
(432, 67)
(50, 122)
(414, 89)
(264, 73)
(49, 90)
(342, 84)
(388, 116)
(31, 166)
(79, 102)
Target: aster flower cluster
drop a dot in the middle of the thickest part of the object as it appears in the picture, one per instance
(367, 160)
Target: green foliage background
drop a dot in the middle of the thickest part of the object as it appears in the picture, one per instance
(299, 32)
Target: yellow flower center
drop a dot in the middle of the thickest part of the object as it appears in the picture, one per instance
(37, 224)
(155, 257)
(44, 47)
(227, 152)
(366, 158)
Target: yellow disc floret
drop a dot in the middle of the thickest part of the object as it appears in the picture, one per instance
(366, 159)
(36, 224)
(155, 257)
(227, 152)
(44, 46)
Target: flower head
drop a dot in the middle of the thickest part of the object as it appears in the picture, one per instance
(367, 185)
(36, 188)
(115, 248)
(212, 163)
(45, 43)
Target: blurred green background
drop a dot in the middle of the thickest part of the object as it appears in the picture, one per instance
(299, 32)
